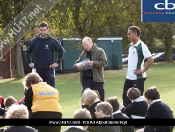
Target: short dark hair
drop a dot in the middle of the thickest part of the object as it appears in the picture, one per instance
(135, 29)
(152, 93)
(114, 102)
(43, 24)
(133, 93)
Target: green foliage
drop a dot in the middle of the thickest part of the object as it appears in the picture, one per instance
(98, 18)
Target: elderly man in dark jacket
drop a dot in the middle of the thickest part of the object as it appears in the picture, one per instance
(91, 72)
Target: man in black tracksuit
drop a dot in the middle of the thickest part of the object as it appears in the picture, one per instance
(43, 46)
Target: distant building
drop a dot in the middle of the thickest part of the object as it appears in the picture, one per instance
(7, 63)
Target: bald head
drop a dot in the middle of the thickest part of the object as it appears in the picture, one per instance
(87, 43)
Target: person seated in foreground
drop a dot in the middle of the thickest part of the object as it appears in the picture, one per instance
(117, 113)
(90, 98)
(18, 112)
(10, 100)
(138, 107)
(156, 110)
(104, 110)
(79, 114)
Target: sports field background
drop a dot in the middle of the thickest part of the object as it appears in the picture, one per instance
(160, 74)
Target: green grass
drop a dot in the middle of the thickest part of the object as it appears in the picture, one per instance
(161, 75)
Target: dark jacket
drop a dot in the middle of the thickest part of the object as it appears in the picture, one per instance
(20, 129)
(136, 108)
(91, 109)
(43, 49)
(104, 128)
(2, 111)
(123, 128)
(75, 129)
(99, 62)
(159, 110)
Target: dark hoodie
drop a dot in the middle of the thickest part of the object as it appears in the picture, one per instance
(43, 49)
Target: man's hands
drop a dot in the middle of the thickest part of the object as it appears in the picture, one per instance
(31, 65)
(52, 66)
(90, 63)
(136, 72)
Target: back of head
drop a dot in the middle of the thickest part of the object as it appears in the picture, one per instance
(152, 93)
(17, 112)
(114, 103)
(105, 107)
(32, 78)
(10, 100)
(88, 97)
(133, 93)
(97, 93)
(82, 114)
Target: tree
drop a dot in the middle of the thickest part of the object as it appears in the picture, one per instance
(14, 8)
(104, 18)
(165, 32)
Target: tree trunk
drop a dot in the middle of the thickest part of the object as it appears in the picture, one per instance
(168, 50)
(18, 61)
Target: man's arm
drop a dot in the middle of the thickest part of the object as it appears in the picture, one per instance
(28, 54)
(28, 98)
(77, 61)
(102, 60)
(147, 66)
(61, 54)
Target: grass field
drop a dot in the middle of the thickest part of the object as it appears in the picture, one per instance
(161, 75)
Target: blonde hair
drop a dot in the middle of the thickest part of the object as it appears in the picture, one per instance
(82, 114)
(32, 78)
(105, 107)
(88, 97)
(17, 112)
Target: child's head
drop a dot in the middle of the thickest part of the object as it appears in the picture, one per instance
(103, 108)
(88, 97)
(114, 103)
(17, 112)
(133, 93)
(9, 101)
(82, 114)
(32, 78)
(151, 94)
(97, 93)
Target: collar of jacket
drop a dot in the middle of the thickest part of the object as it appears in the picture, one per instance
(93, 49)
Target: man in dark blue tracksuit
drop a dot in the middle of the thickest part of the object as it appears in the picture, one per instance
(43, 46)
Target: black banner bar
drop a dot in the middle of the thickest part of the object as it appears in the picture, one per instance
(78, 122)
